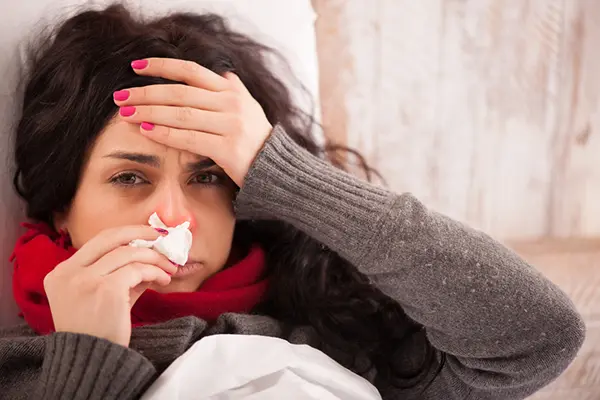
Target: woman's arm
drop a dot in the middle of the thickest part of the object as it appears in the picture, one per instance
(69, 366)
(506, 330)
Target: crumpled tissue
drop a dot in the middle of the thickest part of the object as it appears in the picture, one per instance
(175, 245)
(253, 367)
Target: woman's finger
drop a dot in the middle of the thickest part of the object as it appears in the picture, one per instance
(136, 292)
(126, 255)
(132, 275)
(184, 71)
(236, 83)
(178, 117)
(171, 95)
(109, 240)
(195, 142)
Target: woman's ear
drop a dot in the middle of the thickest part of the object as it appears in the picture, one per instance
(59, 221)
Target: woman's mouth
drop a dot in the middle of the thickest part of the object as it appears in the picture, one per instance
(187, 269)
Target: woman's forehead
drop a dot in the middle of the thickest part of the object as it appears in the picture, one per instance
(122, 137)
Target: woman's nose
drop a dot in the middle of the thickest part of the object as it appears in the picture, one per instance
(173, 208)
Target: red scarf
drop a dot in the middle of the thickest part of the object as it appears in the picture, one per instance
(238, 288)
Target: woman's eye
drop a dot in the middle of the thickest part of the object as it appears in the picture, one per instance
(207, 178)
(127, 179)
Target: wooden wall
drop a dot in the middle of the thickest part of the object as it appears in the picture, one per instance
(487, 110)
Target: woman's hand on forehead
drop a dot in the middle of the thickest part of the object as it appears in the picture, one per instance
(210, 115)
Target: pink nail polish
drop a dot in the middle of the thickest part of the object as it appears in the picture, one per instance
(147, 126)
(121, 95)
(139, 64)
(127, 111)
(161, 231)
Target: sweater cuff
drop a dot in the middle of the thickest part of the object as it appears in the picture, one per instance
(288, 183)
(87, 367)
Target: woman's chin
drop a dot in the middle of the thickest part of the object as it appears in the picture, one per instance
(177, 286)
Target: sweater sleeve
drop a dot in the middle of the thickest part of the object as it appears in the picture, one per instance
(504, 329)
(70, 366)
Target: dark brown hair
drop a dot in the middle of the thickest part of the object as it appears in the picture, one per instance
(70, 80)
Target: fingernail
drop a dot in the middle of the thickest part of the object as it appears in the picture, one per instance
(161, 231)
(127, 111)
(139, 64)
(147, 126)
(121, 95)
(175, 264)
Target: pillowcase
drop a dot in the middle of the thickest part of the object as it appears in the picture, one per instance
(287, 26)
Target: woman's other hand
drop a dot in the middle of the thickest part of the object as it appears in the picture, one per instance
(93, 291)
(210, 115)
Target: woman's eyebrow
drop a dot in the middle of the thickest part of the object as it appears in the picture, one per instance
(200, 164)
(140, 158)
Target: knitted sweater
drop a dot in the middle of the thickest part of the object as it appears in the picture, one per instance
(504, 330)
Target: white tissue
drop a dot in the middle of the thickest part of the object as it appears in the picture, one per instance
(175, 245)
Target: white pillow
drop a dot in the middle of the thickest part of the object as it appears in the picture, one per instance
(286, 25)
(258, 368)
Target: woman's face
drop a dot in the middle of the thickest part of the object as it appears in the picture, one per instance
(127, 177)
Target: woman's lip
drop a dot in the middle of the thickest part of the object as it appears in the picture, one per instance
(187, 269)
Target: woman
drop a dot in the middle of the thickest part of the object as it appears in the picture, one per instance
(198, 129)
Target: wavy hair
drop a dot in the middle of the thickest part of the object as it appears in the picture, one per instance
(72, 74)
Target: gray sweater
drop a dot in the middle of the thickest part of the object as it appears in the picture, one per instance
(504, 329)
